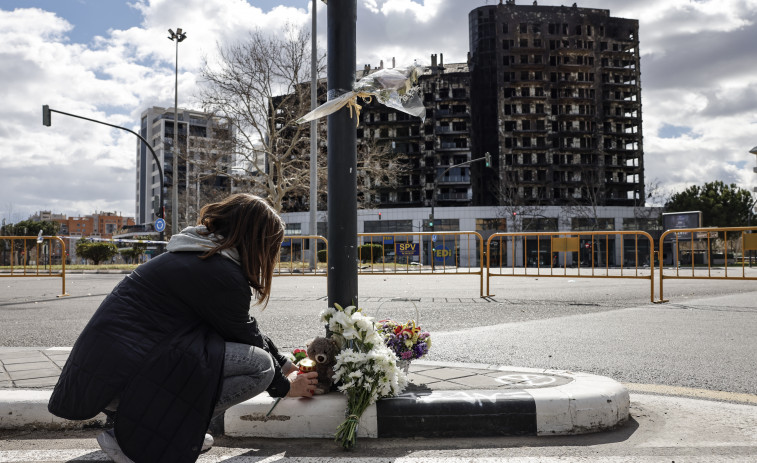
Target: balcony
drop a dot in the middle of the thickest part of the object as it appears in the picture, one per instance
(452, 147)
(454, 179)
(452, 197)
(446, 130)
(450, 113)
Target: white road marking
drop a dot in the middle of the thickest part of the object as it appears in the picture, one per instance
(237, 456)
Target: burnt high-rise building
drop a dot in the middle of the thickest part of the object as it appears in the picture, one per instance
(556, 99)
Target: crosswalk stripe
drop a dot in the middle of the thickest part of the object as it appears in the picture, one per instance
(238, 456)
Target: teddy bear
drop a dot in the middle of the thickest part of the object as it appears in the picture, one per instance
(323, 352)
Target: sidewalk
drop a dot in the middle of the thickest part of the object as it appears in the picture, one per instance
(442, 400)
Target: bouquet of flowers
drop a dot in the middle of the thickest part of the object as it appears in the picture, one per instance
(366, 369)
(408, 341)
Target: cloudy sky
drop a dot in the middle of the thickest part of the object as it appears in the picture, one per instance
(111, 59)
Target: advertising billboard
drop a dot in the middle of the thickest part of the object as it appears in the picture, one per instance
(677, 220)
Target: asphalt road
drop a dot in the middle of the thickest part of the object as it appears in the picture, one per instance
(661, 430)
(705, 337)
(700, 345)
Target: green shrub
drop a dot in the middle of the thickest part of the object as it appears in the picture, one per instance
(97, 251)
(323, 256)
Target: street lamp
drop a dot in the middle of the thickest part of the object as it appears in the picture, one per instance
(313, 138)
(177, 36)
(47, 122)
(313, 142)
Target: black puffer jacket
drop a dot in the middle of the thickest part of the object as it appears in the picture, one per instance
(157, 343)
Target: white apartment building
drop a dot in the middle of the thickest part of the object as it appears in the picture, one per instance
(204, 162)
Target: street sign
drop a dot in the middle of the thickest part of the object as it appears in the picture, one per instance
(407, 249)
(442, 253)
(160, 224)
(433, 238)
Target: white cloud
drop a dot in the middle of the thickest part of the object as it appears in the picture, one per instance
(695, 64)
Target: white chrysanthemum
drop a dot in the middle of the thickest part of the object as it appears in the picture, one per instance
(327, 313)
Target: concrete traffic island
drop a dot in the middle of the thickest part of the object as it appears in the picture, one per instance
(442, 400)
(451, 400)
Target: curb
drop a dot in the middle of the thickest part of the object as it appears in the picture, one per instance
(28, 408)
(580, 403)
(585, 403)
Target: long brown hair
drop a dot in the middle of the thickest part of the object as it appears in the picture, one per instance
(247, 223)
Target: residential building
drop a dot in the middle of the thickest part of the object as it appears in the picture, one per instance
(431, 146)
(47, 216)
(551, 93)
(101, 225)
(204, 166)
(556, 94)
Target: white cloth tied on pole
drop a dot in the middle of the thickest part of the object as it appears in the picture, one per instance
(391, 87)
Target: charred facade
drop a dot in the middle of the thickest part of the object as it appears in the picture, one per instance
(555, 93)
(427, 148)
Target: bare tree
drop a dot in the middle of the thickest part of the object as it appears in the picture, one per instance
(646, 211)
(379, 168)
(257, 85)
(522, 212)
(585, 206)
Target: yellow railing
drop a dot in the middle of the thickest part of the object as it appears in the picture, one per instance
(24, 256)
(596, 254)
(424, 253)
(295, 259)
(706, 253)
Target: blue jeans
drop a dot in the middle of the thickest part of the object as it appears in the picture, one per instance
(247, 371)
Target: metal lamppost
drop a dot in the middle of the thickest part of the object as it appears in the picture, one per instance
(342, 156)
(314, 139)
(313, 143)
(177, 36)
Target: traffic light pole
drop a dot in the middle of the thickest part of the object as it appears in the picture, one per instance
(47, 121)
(486, 157)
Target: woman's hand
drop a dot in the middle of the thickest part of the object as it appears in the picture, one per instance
(302, 385)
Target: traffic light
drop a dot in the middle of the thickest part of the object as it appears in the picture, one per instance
(431, 220)
(488, 159)
(379, 215)
(46, 120)
(156, 206)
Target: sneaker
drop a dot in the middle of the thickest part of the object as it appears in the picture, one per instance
(207, 443)
(108, 443)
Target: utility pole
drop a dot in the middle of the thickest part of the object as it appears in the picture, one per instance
(177, 36)
(342, 156)
(313, 142)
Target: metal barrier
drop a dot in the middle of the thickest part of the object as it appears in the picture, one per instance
(605, 254)
(424, 253)
(700, 248)
(23, 253)
(295, 259)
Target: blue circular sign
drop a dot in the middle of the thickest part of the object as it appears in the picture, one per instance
(160, 225)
